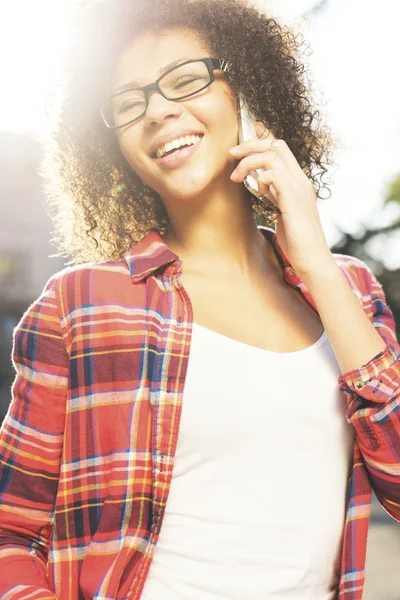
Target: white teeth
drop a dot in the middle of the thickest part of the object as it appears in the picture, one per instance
(174, 144)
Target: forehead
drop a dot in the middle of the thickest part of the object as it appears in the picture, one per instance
(147, 53)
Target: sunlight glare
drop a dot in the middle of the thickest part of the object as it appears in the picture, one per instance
(32, 35)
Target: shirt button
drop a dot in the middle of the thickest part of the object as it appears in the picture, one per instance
(360, 385)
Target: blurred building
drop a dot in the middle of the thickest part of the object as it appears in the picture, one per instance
(25, 228)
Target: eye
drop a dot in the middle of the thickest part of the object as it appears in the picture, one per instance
(128, 104)
(182, 81)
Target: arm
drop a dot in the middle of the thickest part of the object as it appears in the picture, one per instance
(31, 440)
(365, 345)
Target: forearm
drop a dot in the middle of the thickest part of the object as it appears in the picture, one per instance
(364, 341)
(31, 443)
(353, 338)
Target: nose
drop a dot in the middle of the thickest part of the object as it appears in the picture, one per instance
(159, 109)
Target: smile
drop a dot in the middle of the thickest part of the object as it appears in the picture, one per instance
(181, 142)
(173, 154)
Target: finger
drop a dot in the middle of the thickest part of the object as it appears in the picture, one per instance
(267, 190)
(279, 186)
(253, 146)
(258, 143)
(279, 146)
(282, 149)
(268, 178)
(265, 161)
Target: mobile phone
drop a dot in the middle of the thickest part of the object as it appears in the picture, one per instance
(247, 132)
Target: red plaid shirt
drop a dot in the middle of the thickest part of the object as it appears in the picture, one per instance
(87, 448)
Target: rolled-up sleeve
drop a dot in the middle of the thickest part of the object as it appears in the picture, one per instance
(31, 442)
(373, 403)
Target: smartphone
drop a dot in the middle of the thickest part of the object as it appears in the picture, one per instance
(247, 132)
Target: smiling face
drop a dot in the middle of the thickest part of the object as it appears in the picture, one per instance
(209, 118)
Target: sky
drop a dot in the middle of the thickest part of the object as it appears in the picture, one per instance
(32, 34)
(355, 54)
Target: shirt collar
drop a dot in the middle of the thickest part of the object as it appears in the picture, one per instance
(152, 253)
(148, 255)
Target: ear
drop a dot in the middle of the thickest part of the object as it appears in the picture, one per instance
(262, 131)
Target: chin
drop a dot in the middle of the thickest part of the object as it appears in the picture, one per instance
(187, 192)
(186, 186)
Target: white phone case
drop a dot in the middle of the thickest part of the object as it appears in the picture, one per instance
(247, 132)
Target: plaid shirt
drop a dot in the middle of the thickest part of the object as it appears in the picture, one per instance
(87, 448)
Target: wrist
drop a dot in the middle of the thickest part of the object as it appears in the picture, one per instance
(322, 270)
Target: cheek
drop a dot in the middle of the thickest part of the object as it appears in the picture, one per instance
(128, 145)
(227, 121)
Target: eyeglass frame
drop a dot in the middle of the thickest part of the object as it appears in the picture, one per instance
(211, 63)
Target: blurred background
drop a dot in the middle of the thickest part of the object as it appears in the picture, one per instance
(355, 56)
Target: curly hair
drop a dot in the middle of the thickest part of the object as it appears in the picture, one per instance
(99, 206)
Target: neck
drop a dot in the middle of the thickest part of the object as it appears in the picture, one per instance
(218, 234)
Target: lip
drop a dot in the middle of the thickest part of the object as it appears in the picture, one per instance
(172, 161)
(168, 137)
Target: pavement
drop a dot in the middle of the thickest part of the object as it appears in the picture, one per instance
(382, 580)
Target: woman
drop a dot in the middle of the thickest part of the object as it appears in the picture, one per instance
(199, 412)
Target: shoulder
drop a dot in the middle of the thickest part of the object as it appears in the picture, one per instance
(87, 295)
(357, 272)
(363, 282)
(107, 270)
(90, 285)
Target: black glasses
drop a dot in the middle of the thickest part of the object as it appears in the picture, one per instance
(187, 79)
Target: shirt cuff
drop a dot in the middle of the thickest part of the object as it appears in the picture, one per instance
(378, 380)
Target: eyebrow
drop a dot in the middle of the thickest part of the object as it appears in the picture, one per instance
(134, 84)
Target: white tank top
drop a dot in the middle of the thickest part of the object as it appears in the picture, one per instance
(257, 501)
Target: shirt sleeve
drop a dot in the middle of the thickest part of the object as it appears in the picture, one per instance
(31, 441)
(373, 402)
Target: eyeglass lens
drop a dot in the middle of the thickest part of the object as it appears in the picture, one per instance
(184, 80)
